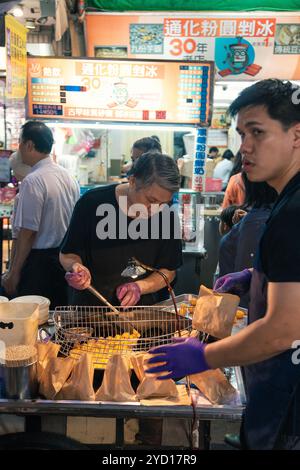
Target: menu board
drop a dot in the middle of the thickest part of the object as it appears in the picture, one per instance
(170, 92)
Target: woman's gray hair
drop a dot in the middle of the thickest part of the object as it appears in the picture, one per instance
(154, 167)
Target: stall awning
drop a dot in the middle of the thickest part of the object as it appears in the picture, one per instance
(193, 5)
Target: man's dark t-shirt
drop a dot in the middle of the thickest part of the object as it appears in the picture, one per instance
(107, 258)
(280, 253)
(274, 384)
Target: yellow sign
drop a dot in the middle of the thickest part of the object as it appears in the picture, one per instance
(16, 58)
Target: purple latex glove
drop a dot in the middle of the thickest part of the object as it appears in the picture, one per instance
(129, 293)
(185, 357)
(79, 278)
(234, 283)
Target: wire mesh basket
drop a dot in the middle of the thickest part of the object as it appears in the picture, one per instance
(101, 332)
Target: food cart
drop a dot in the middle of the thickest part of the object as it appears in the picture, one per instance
(37, 412)
(43, 415)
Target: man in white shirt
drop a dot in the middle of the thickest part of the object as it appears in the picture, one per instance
(46, 200)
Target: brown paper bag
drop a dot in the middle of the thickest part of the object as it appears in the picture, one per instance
(57, 371)
(116, 384)
(215, 386)
(214, 313)
(150, 387)
(182, 399)
(45, 352)
(137, 363)
(79, 385)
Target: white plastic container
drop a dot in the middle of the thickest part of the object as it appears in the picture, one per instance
(18, 323)
(43, 303)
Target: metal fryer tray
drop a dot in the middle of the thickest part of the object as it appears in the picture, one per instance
(182, 298)
(102, 332)
(179, 299)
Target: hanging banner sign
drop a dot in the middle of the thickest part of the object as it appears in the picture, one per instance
(199, 161)
(242, 47)
(16, 58)
(116, 90)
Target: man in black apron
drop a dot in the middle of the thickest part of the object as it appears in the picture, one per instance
(105, 232)
(102, 238)
(269, 125)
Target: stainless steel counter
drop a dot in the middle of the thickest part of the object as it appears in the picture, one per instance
(117, 410)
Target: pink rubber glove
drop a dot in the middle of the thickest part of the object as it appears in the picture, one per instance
(79, 278)
(234, 283)
(129, 293)
(183, 357)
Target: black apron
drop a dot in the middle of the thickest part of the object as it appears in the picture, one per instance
(272, 414)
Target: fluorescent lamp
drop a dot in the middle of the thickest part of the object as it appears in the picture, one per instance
(164, 127)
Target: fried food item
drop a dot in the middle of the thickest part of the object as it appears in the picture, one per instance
(239, 314)
(183, 309)
(186, 334)
(193, 301)
(103, 348)
(187, 307)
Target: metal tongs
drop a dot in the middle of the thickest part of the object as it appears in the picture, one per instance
(103, 299)
(114, 309)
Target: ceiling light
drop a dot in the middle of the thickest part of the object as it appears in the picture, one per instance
(17, 11)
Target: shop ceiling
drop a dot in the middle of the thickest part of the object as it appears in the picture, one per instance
(45, 9)
(37, 12)
(42, 12)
